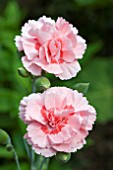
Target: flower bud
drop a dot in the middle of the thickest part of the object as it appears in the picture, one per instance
(42, 83)
(9, 147)
(4, 137)
(23, 72)
(63, 157)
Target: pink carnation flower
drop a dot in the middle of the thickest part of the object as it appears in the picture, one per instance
(53, 47)
(57, 120)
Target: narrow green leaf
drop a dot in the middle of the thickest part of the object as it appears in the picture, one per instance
(81, 87)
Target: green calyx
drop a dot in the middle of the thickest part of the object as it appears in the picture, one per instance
(63, 157)
(42, 83)
(23, 72)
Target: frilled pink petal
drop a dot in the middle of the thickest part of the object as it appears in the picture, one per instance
(33, 107)
(35, 70)
(69, 70)
(88, 118)
(63, 26)
(45, 32)
(31, 67)
(52, 47)
(22, 108)
(32, 24)
(41, 55)
(36, 135)
(80, 47)
(68, 56)
(18, 42)
(62, 136)
(67, 50)
(80, 102)
(66, 44)
(51, 68)
(74, 30)
(35, 30)
(77, 141)
(23, 111)
(70, 146)
(47, 55)
(91, 120)
(73, 38)
(79, 137)
(79, 146)
(23, 104)
(44, 63)
(47, 152)
(53, 95)
(47, 103)
(43, 37)
(75, 122)
(29, 49)
(64, 147)
(45, 19)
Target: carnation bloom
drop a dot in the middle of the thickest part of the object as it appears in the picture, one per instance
(57, 120)
(52, 46)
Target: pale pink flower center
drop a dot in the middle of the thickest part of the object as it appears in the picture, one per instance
(55, 119)
(53, 52)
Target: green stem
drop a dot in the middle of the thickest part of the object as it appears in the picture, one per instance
(46, 162)
(33, 86)
(32, 158)
(10, 148)
(16, 159)
(27, 148)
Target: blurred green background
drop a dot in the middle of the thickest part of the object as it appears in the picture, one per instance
(94, 20)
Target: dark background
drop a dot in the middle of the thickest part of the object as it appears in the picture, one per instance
(94, 20)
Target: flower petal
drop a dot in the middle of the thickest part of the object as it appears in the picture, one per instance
(31, 67)
(29, 49)
(47, 152)
(69, 70)
(33, 110)
(37, 135)
(62, 136)
(80, 47)
(51, 68)
(18, 42)
(63, 26)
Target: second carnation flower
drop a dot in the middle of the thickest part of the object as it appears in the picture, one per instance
(58, 120)
(51, 46)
